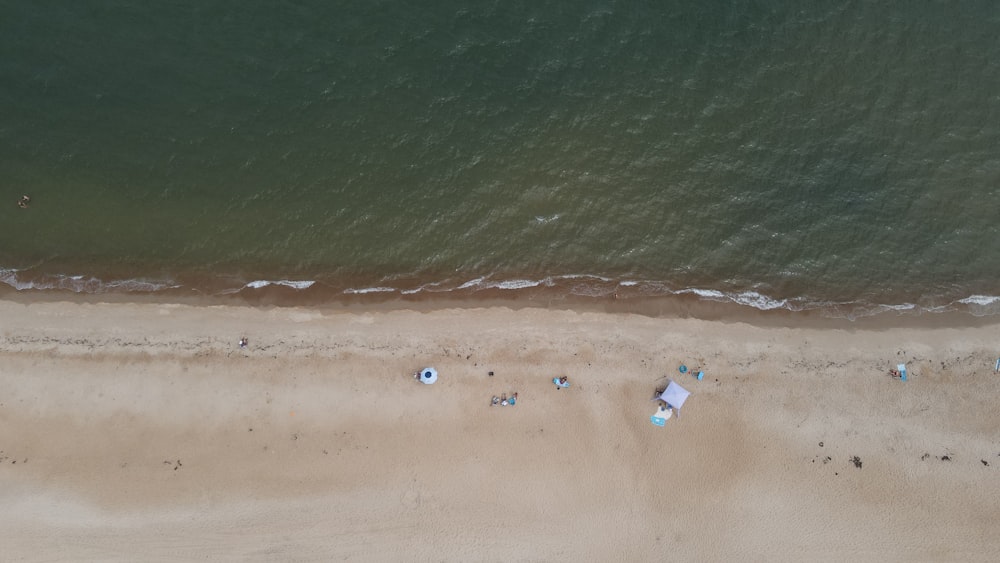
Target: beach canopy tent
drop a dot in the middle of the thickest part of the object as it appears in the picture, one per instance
(674, 395)
(428, 376)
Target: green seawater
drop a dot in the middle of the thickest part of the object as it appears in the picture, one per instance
(780, 153)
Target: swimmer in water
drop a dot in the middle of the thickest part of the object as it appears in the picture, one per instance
(24, 202)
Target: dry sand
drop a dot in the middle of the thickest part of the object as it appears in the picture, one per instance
(142, 432)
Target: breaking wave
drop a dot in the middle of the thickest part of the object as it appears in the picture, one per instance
(258, 284)
(584, 286)
(81, 283)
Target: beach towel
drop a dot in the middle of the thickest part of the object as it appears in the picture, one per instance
(660, 417)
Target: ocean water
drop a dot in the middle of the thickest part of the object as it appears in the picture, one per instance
(841, 156)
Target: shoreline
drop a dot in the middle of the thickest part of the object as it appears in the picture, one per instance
(588, 292)
(664, 307)
(130, 428)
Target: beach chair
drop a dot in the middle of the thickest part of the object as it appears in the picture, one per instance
(902, 371)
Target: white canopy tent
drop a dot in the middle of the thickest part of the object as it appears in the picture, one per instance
(674, 395)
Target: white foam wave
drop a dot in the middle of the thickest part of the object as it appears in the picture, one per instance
(472, 283)
(425, 287)
(747, 298)
(9, 277)
(515, 284)
(758, 301)
(899, 307)
(258, 284)
(81, 284)
(369, 290)
(707, 293)
(484, 283)
(982, 305)
(980, 300)
(582, 277)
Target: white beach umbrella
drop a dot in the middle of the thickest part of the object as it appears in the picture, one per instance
(428, 376)
(674, 395)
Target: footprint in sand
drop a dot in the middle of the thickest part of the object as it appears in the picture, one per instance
(411, 499)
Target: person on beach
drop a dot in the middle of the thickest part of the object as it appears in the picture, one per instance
(495, 401)
(893, 373)
(513, 399)
(562, 382)
(243, 343)
(24, 202)
(503, 400)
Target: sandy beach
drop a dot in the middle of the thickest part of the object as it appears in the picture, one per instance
(141, 431)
